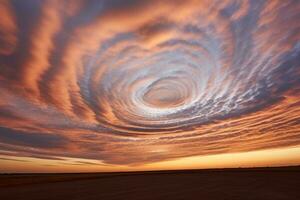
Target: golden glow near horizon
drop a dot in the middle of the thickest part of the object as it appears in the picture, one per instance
(117, 85)
(262, 158)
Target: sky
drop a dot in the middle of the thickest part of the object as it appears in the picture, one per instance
(125, 85)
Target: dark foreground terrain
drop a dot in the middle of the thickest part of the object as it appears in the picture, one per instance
(256, 183)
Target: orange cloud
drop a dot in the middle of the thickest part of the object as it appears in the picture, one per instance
(130, 83)
(8, 29)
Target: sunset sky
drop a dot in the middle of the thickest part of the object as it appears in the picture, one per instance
(117, 85)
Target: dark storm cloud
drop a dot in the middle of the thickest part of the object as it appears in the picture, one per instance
(35, 140)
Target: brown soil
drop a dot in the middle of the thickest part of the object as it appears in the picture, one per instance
(232, 184)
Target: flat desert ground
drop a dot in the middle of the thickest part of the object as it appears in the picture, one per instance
(281, 183)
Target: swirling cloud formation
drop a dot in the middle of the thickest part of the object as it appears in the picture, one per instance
(130, 81)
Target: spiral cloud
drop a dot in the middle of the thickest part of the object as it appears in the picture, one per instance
(131, 81)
